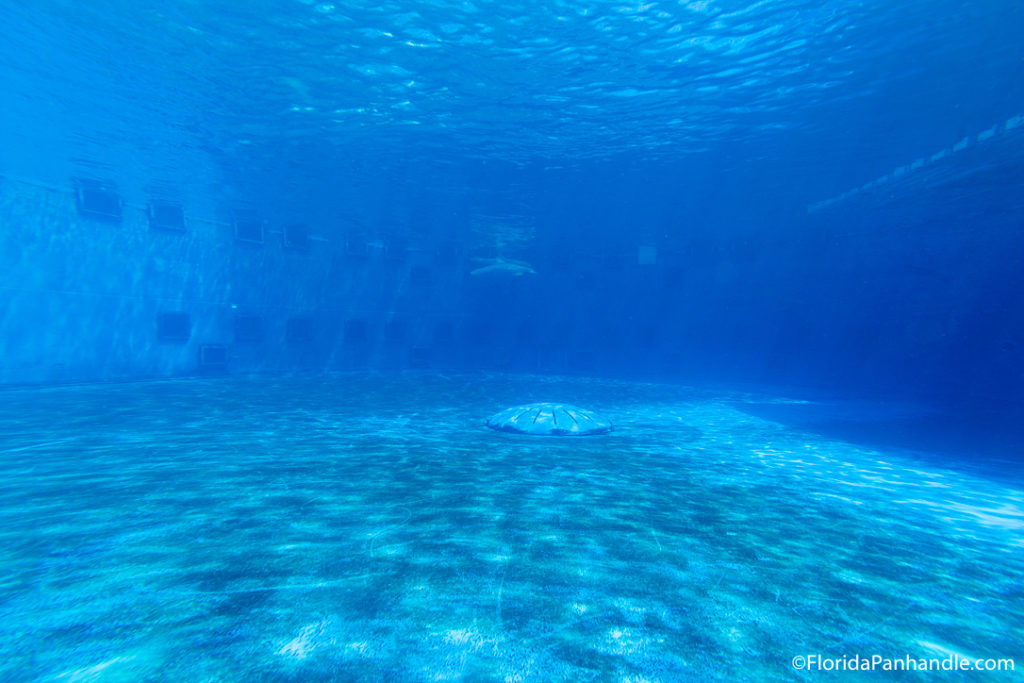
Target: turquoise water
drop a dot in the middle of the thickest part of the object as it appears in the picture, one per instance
(366, 527)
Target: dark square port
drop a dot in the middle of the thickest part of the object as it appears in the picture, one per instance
(355, 248)
(173, 327)
(648, 337)
(295, 238)
(248, 329)
(444, 333)
(480, 332)
(166, 216)
(358, 248)
(616, 258)
(672, 278)
(396, 251)
(562, 260)
(249, 231)
(299, 330)
(526, 332)
(396, 332)
(559, 334)
(447, 255)
(99, 201)
(582, 360)
(586, 281)
(355, 331)
(611, 335)
(213, 357)
(419, 358)
(421, 276)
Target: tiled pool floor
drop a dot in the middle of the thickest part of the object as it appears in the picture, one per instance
(368, 527)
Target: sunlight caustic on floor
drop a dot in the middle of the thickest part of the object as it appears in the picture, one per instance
(359, 527)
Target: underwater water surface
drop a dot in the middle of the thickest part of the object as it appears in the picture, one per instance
(367, 527)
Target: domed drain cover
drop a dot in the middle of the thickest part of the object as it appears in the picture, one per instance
(549, 419)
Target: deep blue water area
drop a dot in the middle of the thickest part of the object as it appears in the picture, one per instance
(794, 193)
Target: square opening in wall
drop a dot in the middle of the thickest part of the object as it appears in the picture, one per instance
(359, 248)
(526, 332)
(213, 357)
(419, 358)
(299, 330)
(395, 332)
(295, 238)
(355, 331)
(99, 201)
(582, 360)
(647, 337)
(480, 332)
(355, 247)
(444, 333)
(248, 329)
(447, 255)
(173, 327)
(615, 258)
(396, 251)
(646, 255)
(249, 231)
(166, 216)
(421, 276)
(672, 278)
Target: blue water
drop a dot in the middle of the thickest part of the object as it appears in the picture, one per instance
(267, 268)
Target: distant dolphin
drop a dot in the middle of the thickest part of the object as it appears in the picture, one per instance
(503, 266)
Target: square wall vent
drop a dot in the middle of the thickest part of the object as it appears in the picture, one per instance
(396, 332)
(213, 357)
(355, 331)
(173, 327)
(480, 332)
(646, 255)
(295, 238)
(249, 231)
(99, 201)
(299, 330)
(396, 251)
(526, 332)
(166, 216)
(444, 333)
(355, 247)
(421, 276)
(447, 255)
(419, 358)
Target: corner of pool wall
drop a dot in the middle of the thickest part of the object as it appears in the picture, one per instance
(922, 170)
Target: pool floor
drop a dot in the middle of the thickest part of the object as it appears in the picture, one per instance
(369, 528)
